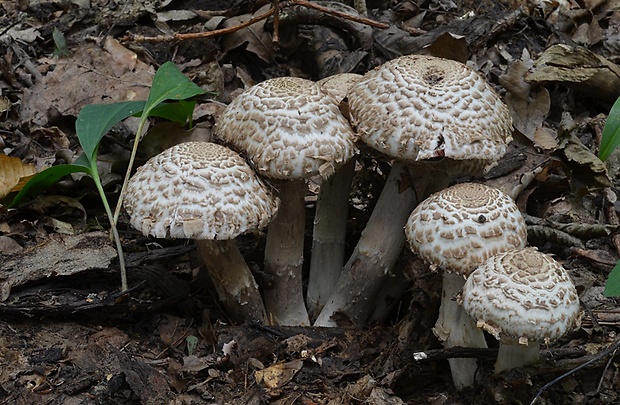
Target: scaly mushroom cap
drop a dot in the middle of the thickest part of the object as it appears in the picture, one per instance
(417, 108)
(198, 190)
(288, 128)
(460, 227)
(522, 295)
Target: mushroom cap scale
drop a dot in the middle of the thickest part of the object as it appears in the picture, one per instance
(419, 107)
(198, 190)
(460, 227)
(522, 295)
(289, 128)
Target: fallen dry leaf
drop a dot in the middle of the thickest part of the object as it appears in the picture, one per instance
(278, 375)
(12, 173)
(91, 75)
(578, 68)
(529, 105)
(256, 39)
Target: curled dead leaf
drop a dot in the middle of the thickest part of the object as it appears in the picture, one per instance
(278, 375)
(13, 174)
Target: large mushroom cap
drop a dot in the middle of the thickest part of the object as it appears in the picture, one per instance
(524, 295)
(420, 107)
(461, 226)
(288, 128)
(198, 190)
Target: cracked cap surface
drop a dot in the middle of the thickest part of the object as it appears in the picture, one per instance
(522, 295)
(289, 128)
(198, 190)
(458, 228)
(418, 107)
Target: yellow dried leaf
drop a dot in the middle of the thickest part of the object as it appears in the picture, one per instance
(13, 173)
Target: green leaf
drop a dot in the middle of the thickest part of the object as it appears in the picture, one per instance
(192, 344)
(611, 132)
(60, 44)
(47, 178)
(170, 84)
(612, 286)
(95, 120)
(179, 112)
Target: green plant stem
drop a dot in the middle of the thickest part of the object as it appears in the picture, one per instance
(132, 158)
(117, 239)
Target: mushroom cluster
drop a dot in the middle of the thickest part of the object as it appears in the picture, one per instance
(455, 230)
(432, 119)
(290, 130)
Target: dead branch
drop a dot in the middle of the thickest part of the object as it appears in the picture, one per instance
(274, 11)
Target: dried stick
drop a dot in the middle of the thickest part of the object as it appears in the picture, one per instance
(610, 350)
(273, 11)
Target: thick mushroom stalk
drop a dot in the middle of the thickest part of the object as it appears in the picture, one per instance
(206, 192)
(456, 230)
(523, 298)
(414, 109)
(290, 130)
(330, 219)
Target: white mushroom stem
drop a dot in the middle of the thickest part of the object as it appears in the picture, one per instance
(512, 355)
(329, 236)
(233, 280)
(376, 252)
(455, 328)
(284, 258)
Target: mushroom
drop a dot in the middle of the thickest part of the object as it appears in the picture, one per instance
(523, 298)
(436, 118)
(206, 192)
(330, 219)
(290, 130)
(456, 230)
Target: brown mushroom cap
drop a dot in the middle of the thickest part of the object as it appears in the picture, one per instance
(198, 190)
(420, 107)
(522, 295)
(288, 128)
(338, 85)
(460, 227)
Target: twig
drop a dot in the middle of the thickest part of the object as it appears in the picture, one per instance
(276, 22)
(197, 35)
(611, 349)
(346, 16)
(273, 11)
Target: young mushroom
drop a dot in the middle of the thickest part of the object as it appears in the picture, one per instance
(290, 130)
(523, 298)
(435, 118)
(206, 192)
(456, 230)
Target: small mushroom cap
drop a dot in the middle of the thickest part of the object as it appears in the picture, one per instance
(198, 190)
(289, 128)
(418, 107)
(522, 295)
(338, 85)
(460, 227)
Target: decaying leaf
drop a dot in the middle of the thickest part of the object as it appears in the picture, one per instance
(578, 68)
(278, 375)
(587, 170)
(13, 174)
(256, 39)
(529, 105)
(90, 76)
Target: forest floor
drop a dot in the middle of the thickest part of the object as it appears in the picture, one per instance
(68, 336)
